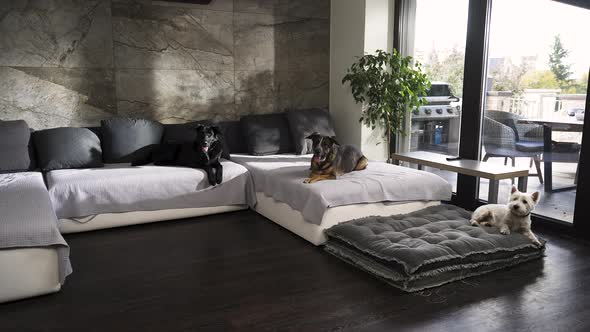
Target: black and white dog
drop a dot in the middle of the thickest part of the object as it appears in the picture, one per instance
(203, 153)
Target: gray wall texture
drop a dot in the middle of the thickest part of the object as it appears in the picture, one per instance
(75, 62)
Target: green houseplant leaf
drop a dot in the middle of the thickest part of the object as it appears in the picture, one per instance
(389, 86)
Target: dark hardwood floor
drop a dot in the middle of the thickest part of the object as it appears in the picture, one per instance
(239, 271)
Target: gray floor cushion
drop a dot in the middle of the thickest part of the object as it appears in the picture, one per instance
(427, 248)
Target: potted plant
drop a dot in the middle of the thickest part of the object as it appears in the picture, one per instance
(390, 86)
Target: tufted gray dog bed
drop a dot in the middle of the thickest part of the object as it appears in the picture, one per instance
(427, 248)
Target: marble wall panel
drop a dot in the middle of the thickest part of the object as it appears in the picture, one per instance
(302, 44)
(96, 84)
(280, 43)
(59, 33)
(254, 42)
(75, 62)
(173, 96)
(44, 104)
(259, 92)
(172, 37)
(221, 5)
(302, 89)
(256, 92)
(299, 8)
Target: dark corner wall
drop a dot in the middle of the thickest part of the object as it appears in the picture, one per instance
(75, 62)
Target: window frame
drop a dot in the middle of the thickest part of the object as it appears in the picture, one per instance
(477, 44)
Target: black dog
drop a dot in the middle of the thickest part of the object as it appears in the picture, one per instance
(203, 153)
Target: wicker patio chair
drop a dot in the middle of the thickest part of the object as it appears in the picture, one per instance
(524, 132)
(500, 140)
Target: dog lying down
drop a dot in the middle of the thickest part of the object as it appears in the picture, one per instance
(512, 217)
(331, 159)
(204, 153)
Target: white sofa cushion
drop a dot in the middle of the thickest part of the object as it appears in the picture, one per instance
(28, 221)
(121, 188)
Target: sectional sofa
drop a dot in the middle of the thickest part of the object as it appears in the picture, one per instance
(66, 180)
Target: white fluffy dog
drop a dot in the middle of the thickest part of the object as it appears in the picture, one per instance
(515, 216)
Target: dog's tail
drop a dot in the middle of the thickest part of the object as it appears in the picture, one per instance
(361, 164)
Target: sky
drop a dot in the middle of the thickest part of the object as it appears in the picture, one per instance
(518, 28)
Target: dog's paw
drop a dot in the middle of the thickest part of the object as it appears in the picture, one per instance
(211, 180)
(505, 231)
(537, 244)
(474, 223)
(308, 180)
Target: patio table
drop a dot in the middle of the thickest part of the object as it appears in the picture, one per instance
(548, 127)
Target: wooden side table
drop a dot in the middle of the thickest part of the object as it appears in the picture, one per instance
(476, 168)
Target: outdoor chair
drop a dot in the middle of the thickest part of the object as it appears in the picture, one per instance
(505, 137)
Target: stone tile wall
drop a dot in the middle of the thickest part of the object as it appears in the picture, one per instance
(74, 62)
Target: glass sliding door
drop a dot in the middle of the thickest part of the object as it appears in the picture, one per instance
(435, 37)
(535, 96)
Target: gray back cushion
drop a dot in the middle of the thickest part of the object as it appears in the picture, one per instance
(233, 137)
(129, 140)
(63, 148)
(267, 134)
(303, 123)
(15, 153)
(96, 131)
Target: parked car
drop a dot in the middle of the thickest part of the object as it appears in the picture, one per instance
(580, 114)
(572, 111)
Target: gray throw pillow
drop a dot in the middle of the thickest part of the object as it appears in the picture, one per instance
(303, 123)
(15, 154)
(129, 140)
(96, 131)
(233, 138)
(63, 148)
(267, 134)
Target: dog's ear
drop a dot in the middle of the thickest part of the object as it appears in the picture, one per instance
(314, 135)
(216, 130)
(513, 190)
(536, 195)
(200, 128)
(334, 141)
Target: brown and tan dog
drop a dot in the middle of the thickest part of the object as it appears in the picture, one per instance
(331, 159)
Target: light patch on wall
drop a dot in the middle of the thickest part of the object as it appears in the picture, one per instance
(162, 61)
